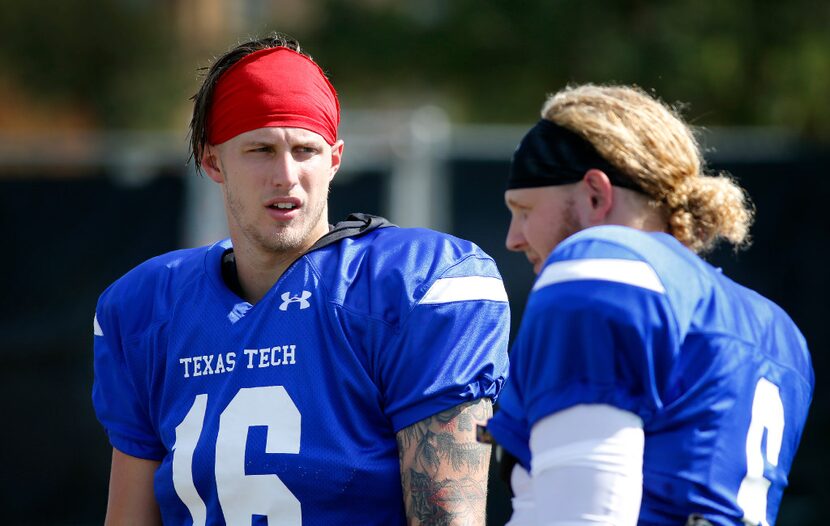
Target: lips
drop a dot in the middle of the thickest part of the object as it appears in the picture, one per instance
(283, 208)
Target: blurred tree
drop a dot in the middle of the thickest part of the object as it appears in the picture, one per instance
(109, 61)
(131, 63)
(743, 62)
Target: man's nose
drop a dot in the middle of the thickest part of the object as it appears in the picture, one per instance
(515, 240)
(285, 171)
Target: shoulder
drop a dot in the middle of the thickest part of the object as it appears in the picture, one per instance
(421, 250)
(697, 296)
(146, 293)
(661, 252)
(645, 262)
(617, 254)
(160, 274)
(768, 328)
(387, 271)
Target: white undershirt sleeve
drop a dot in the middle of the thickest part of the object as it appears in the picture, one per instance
(587, 467)
(524, 507)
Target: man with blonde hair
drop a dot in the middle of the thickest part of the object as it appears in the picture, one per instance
(646, 387)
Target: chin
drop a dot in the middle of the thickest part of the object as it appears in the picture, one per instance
(286, 241)
(283, 239)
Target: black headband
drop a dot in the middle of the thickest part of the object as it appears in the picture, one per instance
(551, 155)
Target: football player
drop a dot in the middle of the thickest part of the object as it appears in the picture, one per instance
(646, 387)
(296, 373)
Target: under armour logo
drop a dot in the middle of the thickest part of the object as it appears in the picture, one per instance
(287, 298)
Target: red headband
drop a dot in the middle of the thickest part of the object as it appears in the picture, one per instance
(273, 87)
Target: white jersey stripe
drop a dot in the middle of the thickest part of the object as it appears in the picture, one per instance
(96, 327)
(467, 288)
(636, 273)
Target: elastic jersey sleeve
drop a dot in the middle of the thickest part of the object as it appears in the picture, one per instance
(116, 393)
(509, 426)
(451, 348)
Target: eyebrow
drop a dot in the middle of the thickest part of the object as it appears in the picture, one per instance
(512, 202)
(256, 142)
(302, 141)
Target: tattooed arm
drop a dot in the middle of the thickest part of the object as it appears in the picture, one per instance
(443, 467)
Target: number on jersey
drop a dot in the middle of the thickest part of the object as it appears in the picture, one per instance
(767, 413)
(241, 495)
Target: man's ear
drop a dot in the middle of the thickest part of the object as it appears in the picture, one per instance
(336, 158)
(211, 164)
(597, 198)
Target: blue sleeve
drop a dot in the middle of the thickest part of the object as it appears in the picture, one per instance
(509, 426)
(452, 346)
(593, 334)
(118, 395)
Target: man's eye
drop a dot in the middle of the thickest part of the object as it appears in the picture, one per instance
(522, 213)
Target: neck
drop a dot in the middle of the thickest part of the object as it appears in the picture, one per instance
(636, 211)
(259, 268)
(257, 273)
(256, 279)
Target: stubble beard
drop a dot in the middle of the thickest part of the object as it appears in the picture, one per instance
(569, 222)
(280, 238)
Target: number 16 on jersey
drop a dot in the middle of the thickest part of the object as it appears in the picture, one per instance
(241, 495)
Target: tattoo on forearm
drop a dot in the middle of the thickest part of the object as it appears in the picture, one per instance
(444, 468)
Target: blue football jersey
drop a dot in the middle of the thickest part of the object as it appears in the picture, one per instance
(720, 376)
(287, 410)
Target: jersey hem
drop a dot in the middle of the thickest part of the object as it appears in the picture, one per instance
(135, 448)
(543, 404)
